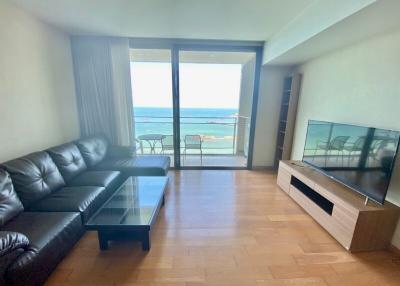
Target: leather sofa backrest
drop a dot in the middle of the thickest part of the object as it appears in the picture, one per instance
(10, 205)
(93, 149)
(34, 176)
(68, 159)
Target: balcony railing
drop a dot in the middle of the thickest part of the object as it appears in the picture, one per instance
(219, 134)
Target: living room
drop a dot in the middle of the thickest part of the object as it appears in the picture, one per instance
(89, 198)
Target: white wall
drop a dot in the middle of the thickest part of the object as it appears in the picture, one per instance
(314, 19)
(269, 104)
(245, 104)
(359, 84)
(37, 93)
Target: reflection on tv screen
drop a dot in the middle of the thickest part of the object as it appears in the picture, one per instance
(360, 157)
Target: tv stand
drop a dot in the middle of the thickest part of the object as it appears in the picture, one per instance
(342, 212)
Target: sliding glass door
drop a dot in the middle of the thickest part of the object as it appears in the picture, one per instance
(215, 99)
(196, 103)
(152, 101)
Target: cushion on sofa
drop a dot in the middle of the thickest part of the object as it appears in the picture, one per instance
(51, 236)
(34, 176)
(85, 200)
(10, 205)
(93, 149)
(138, 165)
(68, 159)
(110, 180)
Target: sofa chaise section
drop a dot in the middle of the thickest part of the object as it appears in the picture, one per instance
(99, 155)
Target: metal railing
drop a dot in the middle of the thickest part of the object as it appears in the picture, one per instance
(219, 133)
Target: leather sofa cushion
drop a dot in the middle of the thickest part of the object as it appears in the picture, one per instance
(68, 159)
(51, 236)
(10, 240)
(107, 179)
(93, 149)
(34, 177)
(138, 165)
(85, 200)
(10, 205)
(6, 260)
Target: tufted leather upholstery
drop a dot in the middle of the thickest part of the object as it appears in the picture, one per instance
(12, 245)
(85, 200)
(68, 159)
(34, 176)
(60, 193)
(93, 149)
(96, 178)
(10, 205)
(51, 236)
(9, 241)
(138, 165)
(110, 180)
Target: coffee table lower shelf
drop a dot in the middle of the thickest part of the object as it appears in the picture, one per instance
(140, 235)
(130, 212)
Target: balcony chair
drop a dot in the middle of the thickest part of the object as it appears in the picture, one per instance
(336, 144)
(354, 148)
(193, 142)
(167, 143)
(138, 147)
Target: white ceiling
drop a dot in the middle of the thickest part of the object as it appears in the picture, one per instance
(378, 17)
(200, 19)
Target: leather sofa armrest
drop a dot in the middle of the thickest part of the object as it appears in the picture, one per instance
(115, 151)
(11, 241)
(12, 245)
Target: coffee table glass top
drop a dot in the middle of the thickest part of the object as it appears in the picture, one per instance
(133, 204)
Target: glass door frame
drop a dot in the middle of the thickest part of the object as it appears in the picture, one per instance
(178, 45)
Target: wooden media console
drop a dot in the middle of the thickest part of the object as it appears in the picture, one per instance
(340, 210)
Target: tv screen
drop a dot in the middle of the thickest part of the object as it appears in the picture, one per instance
(361, 158)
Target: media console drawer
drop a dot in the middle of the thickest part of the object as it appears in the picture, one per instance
(342, 212)
(331, 222)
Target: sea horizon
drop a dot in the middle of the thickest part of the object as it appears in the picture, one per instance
(215, 125)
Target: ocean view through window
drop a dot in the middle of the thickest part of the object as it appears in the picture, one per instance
(214, 105)
(215, 126)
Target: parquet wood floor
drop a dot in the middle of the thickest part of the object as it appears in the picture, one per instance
(227, 228)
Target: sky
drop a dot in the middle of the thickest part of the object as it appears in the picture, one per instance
(201, 85)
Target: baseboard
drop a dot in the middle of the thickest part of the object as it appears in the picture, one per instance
(394, 249)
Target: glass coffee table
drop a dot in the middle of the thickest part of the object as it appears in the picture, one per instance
(130, 211)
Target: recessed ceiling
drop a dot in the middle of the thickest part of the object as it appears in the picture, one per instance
(191, 19)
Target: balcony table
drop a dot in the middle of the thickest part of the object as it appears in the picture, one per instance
(152, 139)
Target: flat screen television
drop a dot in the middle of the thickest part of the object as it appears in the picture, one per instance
(362, 158)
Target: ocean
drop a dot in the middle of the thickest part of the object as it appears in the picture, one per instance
(216, 126)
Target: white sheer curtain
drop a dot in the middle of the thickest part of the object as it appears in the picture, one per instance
(103, 87)
(123, 103)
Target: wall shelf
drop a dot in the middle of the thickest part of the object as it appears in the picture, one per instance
(291, 87)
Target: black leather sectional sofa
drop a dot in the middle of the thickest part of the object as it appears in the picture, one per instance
(46, 197)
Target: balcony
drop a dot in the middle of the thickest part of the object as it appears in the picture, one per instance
(222, 139)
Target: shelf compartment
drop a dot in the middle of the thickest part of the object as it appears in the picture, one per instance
(319, 200)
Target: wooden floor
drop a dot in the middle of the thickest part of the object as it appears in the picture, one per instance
(227, 228)
(213, 161)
